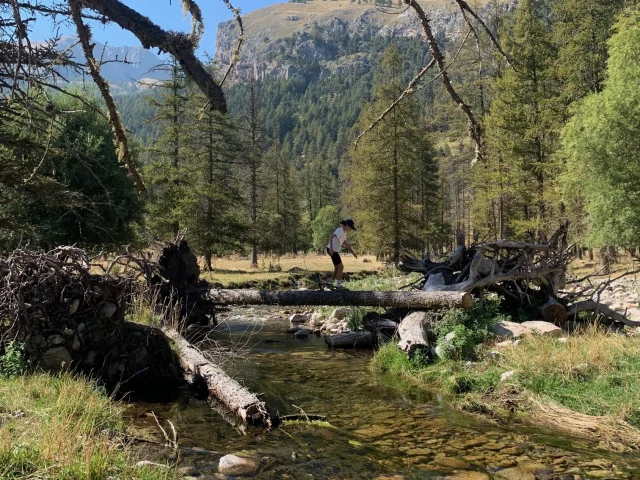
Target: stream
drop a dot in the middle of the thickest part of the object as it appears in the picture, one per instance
(379, 427)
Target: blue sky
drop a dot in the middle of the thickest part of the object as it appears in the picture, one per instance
(167, 14)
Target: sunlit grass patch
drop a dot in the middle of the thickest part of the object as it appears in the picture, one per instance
(65, 428)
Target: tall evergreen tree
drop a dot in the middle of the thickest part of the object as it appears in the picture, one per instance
(164, 173)
(389, 168)
(521, 135)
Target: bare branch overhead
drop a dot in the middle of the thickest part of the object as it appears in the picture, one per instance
(177, 44)
(122, 144)
(475, 129)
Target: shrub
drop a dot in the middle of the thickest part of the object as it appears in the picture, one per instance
(470, 328)
(13, 362)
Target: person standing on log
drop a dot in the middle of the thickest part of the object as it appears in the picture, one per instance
(336, 241)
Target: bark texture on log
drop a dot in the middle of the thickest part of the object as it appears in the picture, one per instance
(554, 312)
(413, 299)
(350, 340)
(225, 389)
(413, 331)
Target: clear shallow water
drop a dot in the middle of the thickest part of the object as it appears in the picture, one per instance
(379, 426)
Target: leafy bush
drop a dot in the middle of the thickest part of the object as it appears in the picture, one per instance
(354, 320)
(468, 329)
(13, 363)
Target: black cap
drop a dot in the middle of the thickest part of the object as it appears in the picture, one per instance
(349, 223)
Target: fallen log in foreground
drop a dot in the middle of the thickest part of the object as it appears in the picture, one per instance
(413, 299)
(220, 385)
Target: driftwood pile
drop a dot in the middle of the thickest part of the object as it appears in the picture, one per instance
(68, 317)
(70, 312)
(531, 274)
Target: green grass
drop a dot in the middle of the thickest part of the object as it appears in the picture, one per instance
(389, 279)
(594, 372)
(64, 427)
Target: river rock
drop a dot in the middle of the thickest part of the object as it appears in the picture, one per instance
(467, 476)
(294, 329)
(234, 465)
(546, 329)
(76, 344)
(302, 333)
(55, 358)
(68, 332)
(510, 330)
(81, 328)
(316, 320)
(56, 340)
(298, 318)
(507, 375)
(494, 355)
(514, 474)
(107, 311)
(340, 313)
(449, 462)
(506, 343)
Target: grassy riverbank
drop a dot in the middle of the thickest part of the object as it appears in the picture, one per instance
(594, 372)
(275, 271)
(64, 427)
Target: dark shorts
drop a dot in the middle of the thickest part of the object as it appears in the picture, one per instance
(335, 258)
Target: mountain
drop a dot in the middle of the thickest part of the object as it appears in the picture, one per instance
(124, 64)
(318, 29)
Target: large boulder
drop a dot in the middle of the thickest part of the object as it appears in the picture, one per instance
(234, 465)
(298, 319)
(340, 313)
(545, 329)
(55, 358)
(510, 330)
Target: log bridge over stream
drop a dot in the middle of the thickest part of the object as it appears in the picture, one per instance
(407, 299)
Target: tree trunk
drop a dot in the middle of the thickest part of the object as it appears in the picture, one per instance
(591, 254)
(591, 306)
(219, 385)
(414, 299)
(553, 312)
(351, 340)
(413, 333)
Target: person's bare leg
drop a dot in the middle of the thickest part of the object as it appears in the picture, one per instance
(336, 269)
(339, 270)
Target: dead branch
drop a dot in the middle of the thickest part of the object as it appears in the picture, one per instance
(475, 129)
(122, 144)
(407, 91)
(465, 8)
(236, 53)
(177, 44)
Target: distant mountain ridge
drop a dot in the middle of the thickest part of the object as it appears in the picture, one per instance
(140, 63)
(311, 29)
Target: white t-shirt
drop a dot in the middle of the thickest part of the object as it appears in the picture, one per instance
(340, 237)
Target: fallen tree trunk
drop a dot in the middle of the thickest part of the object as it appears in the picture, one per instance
(413, 333)
(591, 306)
(220, 386)
(413, 299)
(350, 340)
(553, 312)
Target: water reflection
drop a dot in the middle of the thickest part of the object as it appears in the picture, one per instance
(379, 425)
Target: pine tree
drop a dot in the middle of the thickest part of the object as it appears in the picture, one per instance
(211, 204)
(521, 126)
(164, 173)
(388, 170)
